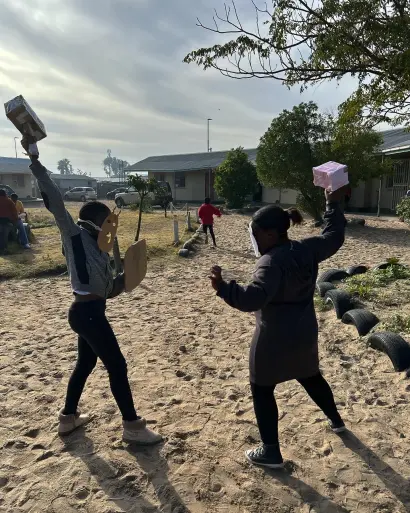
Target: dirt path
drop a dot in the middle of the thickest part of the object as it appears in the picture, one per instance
(187, 360)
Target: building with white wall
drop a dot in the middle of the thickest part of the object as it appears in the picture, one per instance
(191, 176)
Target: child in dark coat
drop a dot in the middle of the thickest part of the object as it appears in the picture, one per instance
(285, 342)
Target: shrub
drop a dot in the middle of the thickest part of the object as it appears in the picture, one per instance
(403, 210)
(235, 178)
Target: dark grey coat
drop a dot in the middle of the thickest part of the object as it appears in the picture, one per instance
(285, 342)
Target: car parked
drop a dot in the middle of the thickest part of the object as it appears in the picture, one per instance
(8, 189)
(131, 197)
(111, 195)
(80, 194)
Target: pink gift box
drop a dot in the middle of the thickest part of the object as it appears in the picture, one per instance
(331, 176)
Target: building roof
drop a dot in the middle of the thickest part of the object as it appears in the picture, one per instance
(14, 166)
(396, 140)
(185, 162)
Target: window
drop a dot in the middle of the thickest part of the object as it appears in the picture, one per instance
(18, 180)
(180, 180)
(161, 177)
(388, 181)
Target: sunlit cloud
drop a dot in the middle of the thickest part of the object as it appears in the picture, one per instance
(109, 74)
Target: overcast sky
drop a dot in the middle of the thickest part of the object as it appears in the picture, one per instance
(109, 74)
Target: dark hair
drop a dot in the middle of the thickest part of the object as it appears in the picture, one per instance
(273, 217)
(207, 201)
(14, 196)
(3, 192)
(94, 211)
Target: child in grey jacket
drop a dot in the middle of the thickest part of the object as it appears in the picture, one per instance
(92, 283)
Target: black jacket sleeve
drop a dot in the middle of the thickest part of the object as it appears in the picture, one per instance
(258, 293)
(333, 234)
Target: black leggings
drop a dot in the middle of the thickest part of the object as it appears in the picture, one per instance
(266, 410)
(209, 227)
(96, 339)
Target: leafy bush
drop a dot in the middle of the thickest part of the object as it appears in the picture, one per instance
(235, 178)
(314, 205)
(363, 285)
(403, 210)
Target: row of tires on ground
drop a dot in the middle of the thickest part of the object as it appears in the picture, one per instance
(392, 344)
(190, 244)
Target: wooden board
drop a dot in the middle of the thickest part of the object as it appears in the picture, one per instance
(135, 265)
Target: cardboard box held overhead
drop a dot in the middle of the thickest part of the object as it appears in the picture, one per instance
(24, 118)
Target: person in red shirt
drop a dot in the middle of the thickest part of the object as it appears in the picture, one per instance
(206, 214)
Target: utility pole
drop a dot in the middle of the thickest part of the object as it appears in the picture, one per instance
(210, 172)
(15, 145)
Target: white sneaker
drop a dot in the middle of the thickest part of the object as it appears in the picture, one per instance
(69, 423)
(136, 432)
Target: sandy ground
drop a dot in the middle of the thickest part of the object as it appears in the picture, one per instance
(187, 358)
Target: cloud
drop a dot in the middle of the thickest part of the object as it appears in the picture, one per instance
(109, 74)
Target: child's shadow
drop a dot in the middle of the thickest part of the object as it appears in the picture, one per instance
(308, 494)
(127, 494)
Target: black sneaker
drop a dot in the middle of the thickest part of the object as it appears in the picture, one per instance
(337, 426)
(265, 456)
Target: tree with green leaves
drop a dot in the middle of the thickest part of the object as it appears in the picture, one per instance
(163, 197)
(301, 42)
(114, 167)
(65, 167)
(303, 138)
(235, 178)
(144, 188)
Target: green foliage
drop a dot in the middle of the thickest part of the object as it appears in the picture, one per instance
(235, 178)
(321, 305)
(113, 166)
(163, 197)
(65, 167)
(403, 210)
(324, 40)
(303, 138)
(143, 188)
(397, 324)
(363, 285)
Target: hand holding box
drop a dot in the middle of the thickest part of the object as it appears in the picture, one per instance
(24, 118)
(331, 176)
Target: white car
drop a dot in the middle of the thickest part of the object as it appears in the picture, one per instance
(80, 194)
(131, 196)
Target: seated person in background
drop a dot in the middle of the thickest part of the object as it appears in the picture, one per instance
(8, 215)
(19, 206)
(8, 211)
(23, 239)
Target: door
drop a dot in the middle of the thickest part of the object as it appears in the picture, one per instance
(209, 184)
(401, 182)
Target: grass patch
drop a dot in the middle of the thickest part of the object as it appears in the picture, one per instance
(366, 286)
(46, 256)
(397, 324)
(321, 305)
